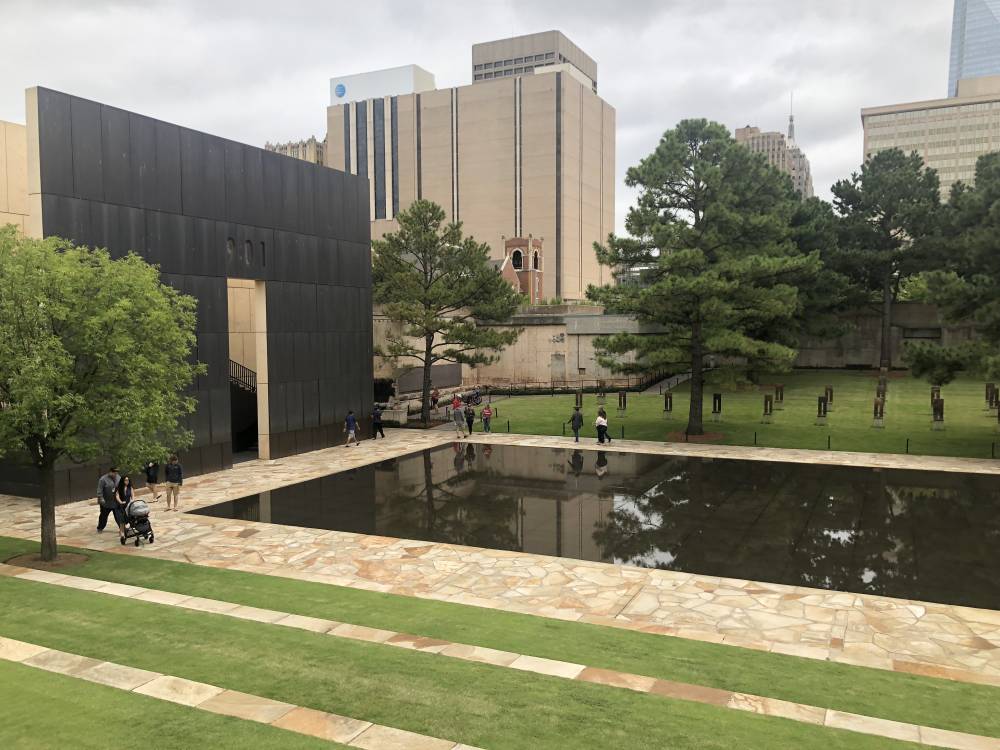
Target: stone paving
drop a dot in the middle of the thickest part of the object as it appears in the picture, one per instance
(327, 726)
(262, 709)
(951, 642)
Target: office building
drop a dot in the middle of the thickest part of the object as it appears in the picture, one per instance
(782, 152)
(975, 41)
(309, 150)
(949, 134)
(523, 55)
(275, 250)
(528, 154)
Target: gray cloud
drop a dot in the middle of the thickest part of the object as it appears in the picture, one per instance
(257, 71)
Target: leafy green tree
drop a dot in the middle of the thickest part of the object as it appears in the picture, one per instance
(710, 263)
(888, 213)
(441, 288)
(95, 359)
(966, 284)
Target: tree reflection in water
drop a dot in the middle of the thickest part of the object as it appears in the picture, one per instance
(918, 535)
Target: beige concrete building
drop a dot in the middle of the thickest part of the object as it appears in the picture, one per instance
(950, 134)
(531, 53)
(310, 150)
(530, 153)
(782, 152)
(14, 177)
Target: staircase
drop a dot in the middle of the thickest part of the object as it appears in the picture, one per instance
(242, 377)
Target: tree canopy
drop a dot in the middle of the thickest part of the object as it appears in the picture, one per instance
(95, 360)
(889, 212)
(966, 281)
(710, 263)
(441, 288)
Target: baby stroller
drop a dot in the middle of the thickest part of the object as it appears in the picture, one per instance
(137, 522)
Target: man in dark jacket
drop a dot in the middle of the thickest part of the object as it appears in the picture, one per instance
(377, 422)
(576, 422)
(174, 474)
(107, 497)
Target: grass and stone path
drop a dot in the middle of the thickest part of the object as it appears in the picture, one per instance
(970, 428)
(245, 625)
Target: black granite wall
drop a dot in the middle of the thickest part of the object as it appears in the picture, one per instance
(205, 208)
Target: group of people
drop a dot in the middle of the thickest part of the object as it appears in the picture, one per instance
(115, 490)
(465, 416)
(601, 423)
(351, 426)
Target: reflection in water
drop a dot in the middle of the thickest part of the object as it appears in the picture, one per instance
(917, 535)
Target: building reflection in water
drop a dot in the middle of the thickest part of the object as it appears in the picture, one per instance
(920, 535)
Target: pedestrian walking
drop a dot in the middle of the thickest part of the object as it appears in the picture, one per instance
(458, 416)
(152, 470)
(435, 397)
(487, 417)
(601, 423)
(576, 422)
(124, 498)
(377, 423)
(470, 416)
(107, 497)
(351, 428)
(174, 474)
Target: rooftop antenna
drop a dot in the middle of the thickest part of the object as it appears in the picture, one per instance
(791, 116)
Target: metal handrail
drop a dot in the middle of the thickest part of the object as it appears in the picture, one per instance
(242, 376)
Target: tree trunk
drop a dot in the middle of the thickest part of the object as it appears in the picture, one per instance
(886, 357)
(695, 425)
(425, 409)
(431, 509)
(47, 474)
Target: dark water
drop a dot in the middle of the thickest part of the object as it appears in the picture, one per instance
(930, 536)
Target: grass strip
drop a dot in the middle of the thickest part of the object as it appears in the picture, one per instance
(901, 697)
(472, 703)
(41, 709)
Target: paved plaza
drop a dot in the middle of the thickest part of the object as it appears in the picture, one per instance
(951, 642)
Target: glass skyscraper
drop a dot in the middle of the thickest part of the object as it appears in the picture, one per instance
(975, 41)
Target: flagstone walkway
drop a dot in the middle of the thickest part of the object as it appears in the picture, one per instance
(951, 642)
(262, 709)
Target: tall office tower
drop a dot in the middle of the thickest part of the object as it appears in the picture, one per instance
(782, 153)
(526, 154)
(949, 134)
(975, 41)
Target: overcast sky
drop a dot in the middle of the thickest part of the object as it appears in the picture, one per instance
(256, 71)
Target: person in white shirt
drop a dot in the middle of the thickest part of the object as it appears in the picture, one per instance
(602, 426)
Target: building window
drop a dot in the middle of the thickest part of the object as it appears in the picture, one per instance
(534, 260)
(479, 77)
(230, 249)
(518, 71)
(488, 65)
(508, 62)
(263, 254)
(478, 67)
(508, 72)
(539, 57)
(517, 260)
(529, 69)
(518, 60)
(549, 55)
(488, 75)
(248, 252)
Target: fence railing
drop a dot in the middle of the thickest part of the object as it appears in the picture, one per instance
(242, 376)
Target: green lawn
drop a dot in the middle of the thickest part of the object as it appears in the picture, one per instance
(970, 429)
(476, 704)
(45, 710)
(908, 698)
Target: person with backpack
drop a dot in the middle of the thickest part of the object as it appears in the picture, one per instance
(351, 428)
(487, 416)
(377, 422)
(470, 416)
(175, 479)
(576, 423)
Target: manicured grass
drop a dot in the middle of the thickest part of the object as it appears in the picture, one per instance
(970, 430)
(45, 710)
(908, 698)
(476, 704)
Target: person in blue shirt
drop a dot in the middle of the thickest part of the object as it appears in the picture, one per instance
(351, 428)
